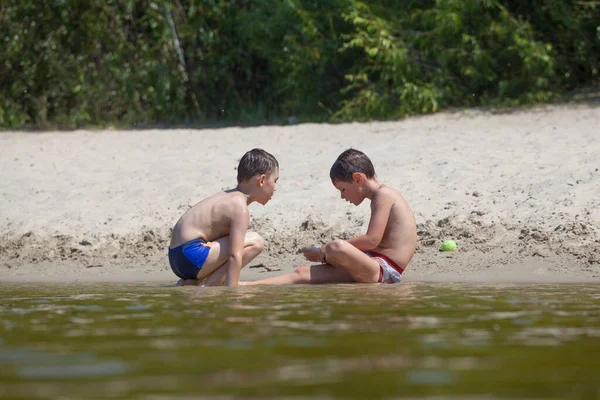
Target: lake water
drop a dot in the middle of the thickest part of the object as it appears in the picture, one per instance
(415, 340)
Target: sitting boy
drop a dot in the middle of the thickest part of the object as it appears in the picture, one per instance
(380, 255)
(210, 243)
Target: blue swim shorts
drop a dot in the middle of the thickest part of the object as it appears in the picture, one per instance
(186, 260)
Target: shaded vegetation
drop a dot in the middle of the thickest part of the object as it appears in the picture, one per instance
(78, 63)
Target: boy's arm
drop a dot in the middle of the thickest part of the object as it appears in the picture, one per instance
(380, 214)
(237, 234)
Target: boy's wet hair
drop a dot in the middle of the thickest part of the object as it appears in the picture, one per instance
(256, 162)
(349, 162)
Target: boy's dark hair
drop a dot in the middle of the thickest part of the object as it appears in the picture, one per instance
(256, 162)
(349, 162)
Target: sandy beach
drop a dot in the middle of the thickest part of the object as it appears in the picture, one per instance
(518, 191)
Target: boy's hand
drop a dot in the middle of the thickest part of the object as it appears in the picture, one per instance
(312, 253)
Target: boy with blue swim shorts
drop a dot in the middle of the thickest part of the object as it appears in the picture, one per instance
(210, 243)
(379, 256)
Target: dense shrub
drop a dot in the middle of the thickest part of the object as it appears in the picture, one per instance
(72, 63)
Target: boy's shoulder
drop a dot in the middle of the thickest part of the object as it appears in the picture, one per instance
(386, 196)
(388, 192)
(395, 192)
(231, 199)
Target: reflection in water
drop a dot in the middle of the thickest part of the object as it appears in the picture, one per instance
(359, 341)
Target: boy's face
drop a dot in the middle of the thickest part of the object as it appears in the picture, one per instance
(350, 191)
(268, 186)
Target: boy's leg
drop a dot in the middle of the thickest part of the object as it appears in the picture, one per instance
(347, 264)
(314, 274)
(359, 266)
(211, 273)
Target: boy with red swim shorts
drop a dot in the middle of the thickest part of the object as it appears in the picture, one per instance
(380, 255)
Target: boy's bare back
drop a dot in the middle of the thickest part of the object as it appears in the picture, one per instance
(211, 218)
(400, 237)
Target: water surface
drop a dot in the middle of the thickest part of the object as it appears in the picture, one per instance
(416, 340)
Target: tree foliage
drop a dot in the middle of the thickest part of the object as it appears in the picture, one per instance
(73, 63)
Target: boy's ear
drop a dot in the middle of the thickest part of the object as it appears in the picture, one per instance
(262, 179)
(358, 177)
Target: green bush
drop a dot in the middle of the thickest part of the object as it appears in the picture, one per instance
(452, 52)
(74, 63)
(572, 29)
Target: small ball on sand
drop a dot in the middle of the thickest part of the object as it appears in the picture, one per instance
(448, 245)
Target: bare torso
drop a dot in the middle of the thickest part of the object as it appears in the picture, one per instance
(400, 236)
(209, 219)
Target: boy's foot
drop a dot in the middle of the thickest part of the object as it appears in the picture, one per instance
(187, 282)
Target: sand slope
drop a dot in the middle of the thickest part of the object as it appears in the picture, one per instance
(518, 191)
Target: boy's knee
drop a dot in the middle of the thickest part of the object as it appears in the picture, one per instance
(255, 240)
(259, 243)
(335, 247)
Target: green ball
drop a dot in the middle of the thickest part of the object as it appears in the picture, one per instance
(448, 245)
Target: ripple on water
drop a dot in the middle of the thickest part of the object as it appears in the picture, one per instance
(89, 307)
(137, 307)
(99, 369)
(432, 377)
(87, 296)
(553, 336)
(28, 357)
